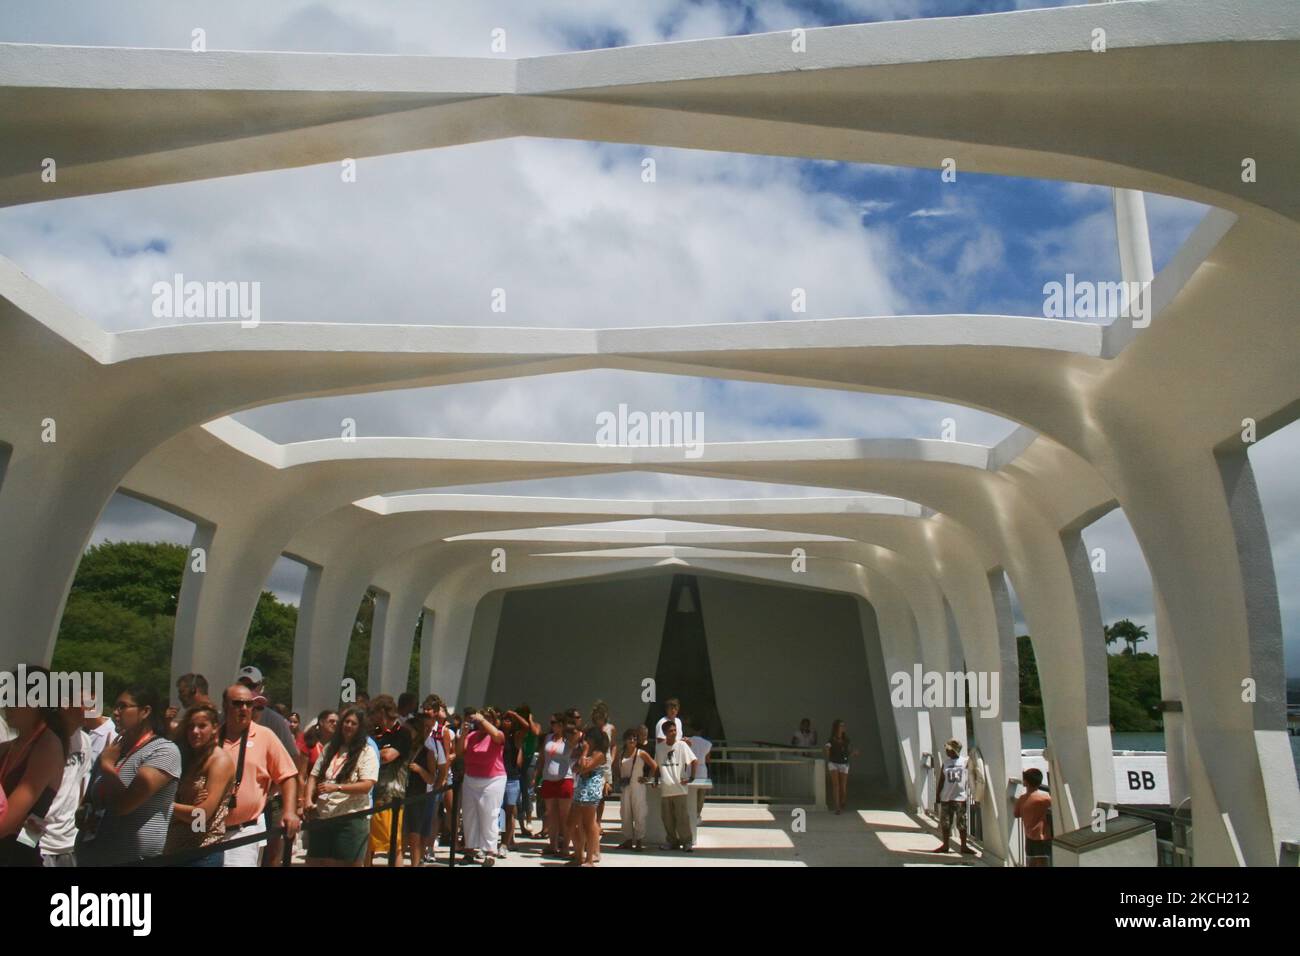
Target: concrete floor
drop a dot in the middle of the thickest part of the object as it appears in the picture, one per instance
(748, 835)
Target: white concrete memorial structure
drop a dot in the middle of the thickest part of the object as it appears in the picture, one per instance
(1154, 415)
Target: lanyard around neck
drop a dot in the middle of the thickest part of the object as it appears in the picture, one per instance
(147, 736)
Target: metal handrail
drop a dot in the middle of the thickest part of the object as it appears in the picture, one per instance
(755, 764)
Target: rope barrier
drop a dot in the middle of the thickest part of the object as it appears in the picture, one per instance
(184, 857)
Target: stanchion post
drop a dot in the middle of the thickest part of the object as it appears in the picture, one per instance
(392, 832)
(455, 819)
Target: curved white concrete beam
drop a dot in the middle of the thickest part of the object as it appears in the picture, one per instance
(222, 113)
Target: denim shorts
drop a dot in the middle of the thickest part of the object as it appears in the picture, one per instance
(211, 860)
(512, 792)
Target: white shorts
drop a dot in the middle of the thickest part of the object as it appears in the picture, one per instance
(838, 767)
(250, 854)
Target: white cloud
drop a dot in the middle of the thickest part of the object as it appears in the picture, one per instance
(933, 212)
(568, 230)
(869, 207)
(979, 253)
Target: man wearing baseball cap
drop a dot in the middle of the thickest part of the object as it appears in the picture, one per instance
(954, 791)
(252, 678)
(261, 763)
(263, 713)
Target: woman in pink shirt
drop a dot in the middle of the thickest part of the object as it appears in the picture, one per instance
(482, 745)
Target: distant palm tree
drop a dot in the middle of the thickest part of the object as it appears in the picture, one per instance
(1128, 632)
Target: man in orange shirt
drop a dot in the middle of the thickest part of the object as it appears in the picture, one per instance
(264, 762)
(1034, 809)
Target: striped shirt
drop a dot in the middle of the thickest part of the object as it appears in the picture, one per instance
(143, 832)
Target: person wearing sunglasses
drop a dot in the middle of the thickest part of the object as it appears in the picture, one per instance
(130, 802)
(260, 762)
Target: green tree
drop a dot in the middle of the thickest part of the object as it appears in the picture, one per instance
(120, 620)
(98, 635)
(1128, 632)
(140, 577)
(121, 614)
(1134, 692)
(1031, 694)
(269, 646)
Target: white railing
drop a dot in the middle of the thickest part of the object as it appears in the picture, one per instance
(765, 774)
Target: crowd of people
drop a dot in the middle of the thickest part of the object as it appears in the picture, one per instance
(230, 782)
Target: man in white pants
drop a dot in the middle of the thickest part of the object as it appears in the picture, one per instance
(265, 762)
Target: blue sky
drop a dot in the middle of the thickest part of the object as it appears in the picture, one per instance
(579, 240)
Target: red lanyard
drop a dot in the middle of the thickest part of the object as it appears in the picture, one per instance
(148, 736)
(336, 766)
(99, 783)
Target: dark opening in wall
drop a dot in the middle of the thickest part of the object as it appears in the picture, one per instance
(684, 670)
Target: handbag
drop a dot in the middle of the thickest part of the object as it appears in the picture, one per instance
(625, 781)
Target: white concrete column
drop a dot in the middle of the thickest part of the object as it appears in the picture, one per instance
(934, 648)
(302, 641)
(398, 635)
(51, 499)
(959, 584)
(988, 647)
(1198, 518)
(1059, 599)
(1001, 755)
(183, 648)
(326, 623)
(239, 563)
(956, 662)
(453, 622)
(891, 741)
(1171, 697)
(899, 648)
(1132, 235)
(483, 643)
